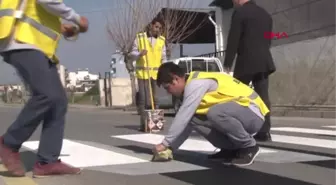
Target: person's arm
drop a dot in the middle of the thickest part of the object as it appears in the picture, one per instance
(134, 54)
(164, 54)
(59, 9)
(233, 39)
(193, 95)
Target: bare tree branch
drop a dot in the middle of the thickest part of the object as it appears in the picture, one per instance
(134, 15)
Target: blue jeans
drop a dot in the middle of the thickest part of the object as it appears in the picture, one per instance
(48, 104)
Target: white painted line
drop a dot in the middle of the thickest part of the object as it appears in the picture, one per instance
(330, 126)
(196, 145)
(81, 155)
(305, 130)
(322, 143)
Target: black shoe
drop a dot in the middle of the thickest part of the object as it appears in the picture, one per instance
(263, 137)
(225, 156)
(246, 156)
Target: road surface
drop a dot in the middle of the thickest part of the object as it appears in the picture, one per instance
(108, 146)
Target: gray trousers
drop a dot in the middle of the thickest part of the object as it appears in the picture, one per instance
(48, 104)
(144, 101)
(227, 126)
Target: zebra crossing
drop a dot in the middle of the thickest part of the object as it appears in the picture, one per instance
(123, 160)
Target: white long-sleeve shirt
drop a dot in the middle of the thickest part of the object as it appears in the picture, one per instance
(135, 53)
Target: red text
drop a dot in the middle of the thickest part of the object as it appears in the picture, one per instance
(275, 35)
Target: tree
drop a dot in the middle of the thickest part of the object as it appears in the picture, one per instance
(179, 21)
(133, 16)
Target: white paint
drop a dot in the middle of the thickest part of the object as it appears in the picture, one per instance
(330, 126)
(195, 145)
(305, 130)
(322, 143)
(81, 155)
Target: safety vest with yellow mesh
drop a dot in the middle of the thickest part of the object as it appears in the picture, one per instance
(31, 24)
(229, 89)
(154, 56)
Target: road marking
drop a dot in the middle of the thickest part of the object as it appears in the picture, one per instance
(16, 180)
(81, 155)
(195, 145)
(330, 126)
(322, 143)
(305, 130)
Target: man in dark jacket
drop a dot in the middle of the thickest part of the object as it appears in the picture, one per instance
(254, 61)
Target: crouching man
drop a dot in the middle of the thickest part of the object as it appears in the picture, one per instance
(217, 106)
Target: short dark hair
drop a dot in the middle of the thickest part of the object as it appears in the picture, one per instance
(166, 72)
(155, 20)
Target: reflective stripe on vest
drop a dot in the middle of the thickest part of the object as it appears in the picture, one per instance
(253, 107)
(45, 30)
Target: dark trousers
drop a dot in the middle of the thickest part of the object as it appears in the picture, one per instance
(144, 101)
(48, 104)
(260, 84)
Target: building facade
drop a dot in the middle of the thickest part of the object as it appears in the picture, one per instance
(305, 60)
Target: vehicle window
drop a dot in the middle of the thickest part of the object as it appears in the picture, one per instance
(198, 65)
(185, 65)
(202, 65)
(213, 67)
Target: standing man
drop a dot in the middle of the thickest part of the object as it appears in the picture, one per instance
(217, 106)
(152, 44)
(254, 61)
(29, 36)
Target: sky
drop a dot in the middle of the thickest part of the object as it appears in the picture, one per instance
(94, 49)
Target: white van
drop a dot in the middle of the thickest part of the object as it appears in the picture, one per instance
(209, 64)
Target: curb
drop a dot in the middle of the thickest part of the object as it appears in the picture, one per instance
(330, 114)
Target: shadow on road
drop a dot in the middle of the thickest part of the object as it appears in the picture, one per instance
(232, 176)
(324, 163)
(129, 127)
(218, 174)
(28, 159)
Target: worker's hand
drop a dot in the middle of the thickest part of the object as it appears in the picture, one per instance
(159, 148)
(83, 24)
(143, 53)
(69, 30)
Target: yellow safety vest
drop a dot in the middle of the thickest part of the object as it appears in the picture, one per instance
(229, 89)
(32, 25)
(154, 55)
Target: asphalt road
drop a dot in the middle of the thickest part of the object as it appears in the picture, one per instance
(108, 146)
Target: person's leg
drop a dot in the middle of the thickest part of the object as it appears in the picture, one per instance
(142, 102)
(33, 67)
(239, 124)
(260, 83)
(54, 120)
(218, 139)
(155, 94)
(53, 131)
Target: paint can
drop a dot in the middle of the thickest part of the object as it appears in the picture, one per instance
(154, 120)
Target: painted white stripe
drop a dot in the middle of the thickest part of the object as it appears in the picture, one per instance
(81, 155)
(305, 130)
(330, 126)
(196, 145)
(322, 143)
